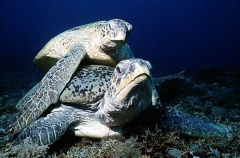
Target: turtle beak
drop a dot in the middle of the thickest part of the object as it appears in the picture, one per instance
(141, 79)
(119, 36)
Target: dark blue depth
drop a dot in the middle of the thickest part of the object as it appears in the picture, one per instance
(174, 35)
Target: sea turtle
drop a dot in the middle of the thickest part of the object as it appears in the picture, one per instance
(89, 107)
(107, 99)
(99, 42)
(103, 41)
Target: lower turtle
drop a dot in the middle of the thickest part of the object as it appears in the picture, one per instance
(100, 42)
(97, 102)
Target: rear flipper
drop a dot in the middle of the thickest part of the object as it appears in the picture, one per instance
(49, 129)
(191, 126)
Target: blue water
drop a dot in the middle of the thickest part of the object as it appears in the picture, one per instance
(174, 35)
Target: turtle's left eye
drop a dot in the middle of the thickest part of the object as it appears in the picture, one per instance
(120, 70)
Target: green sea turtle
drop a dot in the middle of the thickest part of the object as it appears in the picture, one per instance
(89, 106)
(99, 42)
(107, 99)
(104, 43)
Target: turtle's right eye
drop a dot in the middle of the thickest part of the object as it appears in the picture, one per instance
(120, 70)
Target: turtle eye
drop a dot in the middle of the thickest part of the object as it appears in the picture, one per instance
(109, 26)
(120, 70)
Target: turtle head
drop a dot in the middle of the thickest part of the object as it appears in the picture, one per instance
(114, 34)
(130, 92)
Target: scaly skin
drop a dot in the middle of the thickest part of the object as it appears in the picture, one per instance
(49, 129)
(47, 91)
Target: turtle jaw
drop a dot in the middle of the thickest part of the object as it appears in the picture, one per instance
(135, 97)
(139, 82)
(111, 45)
(131, 100)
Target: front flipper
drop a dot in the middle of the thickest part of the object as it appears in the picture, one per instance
(47, 91)
(191, 126)
(49, 129)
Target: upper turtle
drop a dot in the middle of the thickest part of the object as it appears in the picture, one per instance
(103, 41)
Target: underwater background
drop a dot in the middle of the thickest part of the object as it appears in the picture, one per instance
(200, 37)
(174, 35)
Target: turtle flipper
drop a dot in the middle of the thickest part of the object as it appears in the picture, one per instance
(191, 126)
(49, 129)
(47, 91)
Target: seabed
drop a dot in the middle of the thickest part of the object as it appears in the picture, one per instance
(211, 94)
